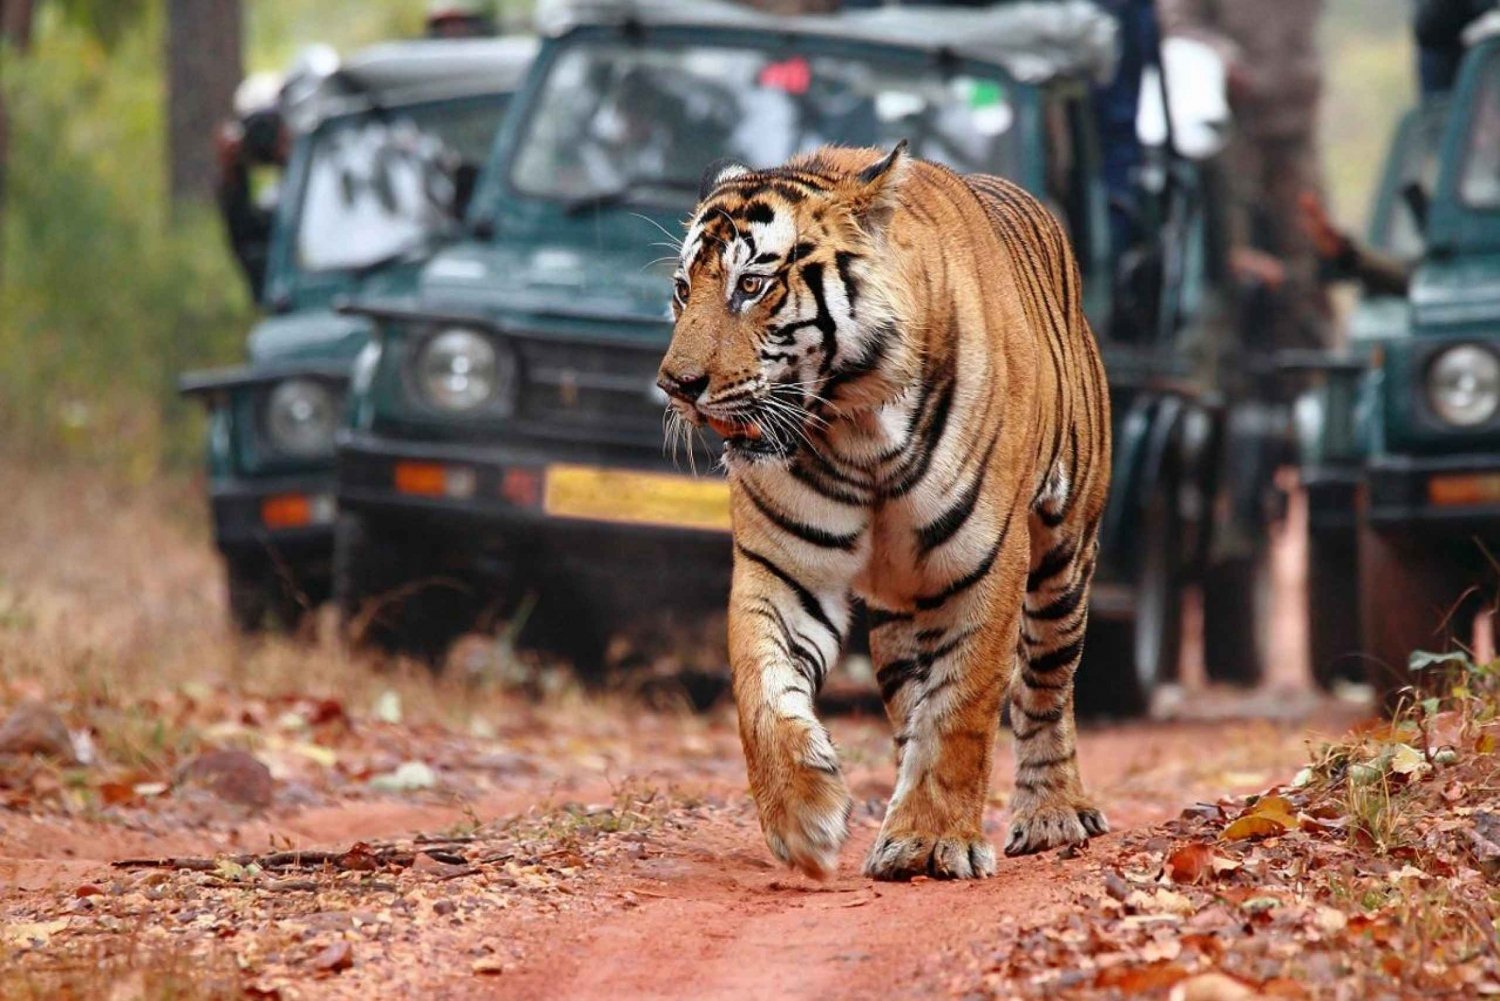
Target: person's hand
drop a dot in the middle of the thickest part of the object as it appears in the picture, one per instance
(1327, 240)
(1239, 81)
(1255, 267)
(229, 144)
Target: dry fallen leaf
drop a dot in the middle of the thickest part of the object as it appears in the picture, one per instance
(1189, 863)
(1330, 920)
(335, 957)
(1212, 987)
(1254, 826)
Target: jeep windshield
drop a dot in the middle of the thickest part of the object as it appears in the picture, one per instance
(382, 185)
(628, 122)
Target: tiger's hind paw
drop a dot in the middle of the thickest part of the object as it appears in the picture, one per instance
(1036, 829)
(902, 856)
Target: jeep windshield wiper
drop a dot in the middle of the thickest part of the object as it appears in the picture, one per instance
(627, 192)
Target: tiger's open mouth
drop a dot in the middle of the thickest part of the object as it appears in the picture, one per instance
(744, 437)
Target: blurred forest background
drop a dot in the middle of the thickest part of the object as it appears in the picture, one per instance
(110, 287)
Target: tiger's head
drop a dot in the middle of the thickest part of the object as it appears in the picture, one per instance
(787, 309)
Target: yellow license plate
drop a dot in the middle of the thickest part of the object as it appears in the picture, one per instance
(619, 495)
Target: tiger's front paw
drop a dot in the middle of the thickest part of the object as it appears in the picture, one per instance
(1038, 826)
(902, 855)
(807, 821)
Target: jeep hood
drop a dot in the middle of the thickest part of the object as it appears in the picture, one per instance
(309, 335)
(556, 280)
(313, 331)
(1456, 291)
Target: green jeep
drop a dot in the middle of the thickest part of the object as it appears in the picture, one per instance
(505, 425)
(1401, 442)
(386, 148)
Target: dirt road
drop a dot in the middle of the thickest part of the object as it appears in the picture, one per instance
(679, 899)
(585, 848)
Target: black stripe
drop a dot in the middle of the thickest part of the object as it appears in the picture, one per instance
(967, 581)
(1055, 659)
(1054, 561)
(815, 481)
(805, 598)
(943, 527)
(1053, 762)
(916, 466)
(843, 260)
(1050, 716)
(810, 534)
(877, 617)
(758, 212)
(812, 276)
(1064, 604)
(1032, 681)
(796, 646)
(894, 675)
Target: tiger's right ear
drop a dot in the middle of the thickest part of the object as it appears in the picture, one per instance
(718, 173)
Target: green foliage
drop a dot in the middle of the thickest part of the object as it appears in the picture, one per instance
(102, 300)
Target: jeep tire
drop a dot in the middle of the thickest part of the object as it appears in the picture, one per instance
(1125, 660)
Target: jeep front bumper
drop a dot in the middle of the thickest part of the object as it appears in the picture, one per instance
(1460, 493)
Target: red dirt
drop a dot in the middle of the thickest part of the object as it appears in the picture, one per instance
(703, 912)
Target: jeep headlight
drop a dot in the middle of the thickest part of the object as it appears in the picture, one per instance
(459, 370)
(301, 418)
(1463, 385)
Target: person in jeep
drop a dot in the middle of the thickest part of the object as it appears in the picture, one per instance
(257, 137)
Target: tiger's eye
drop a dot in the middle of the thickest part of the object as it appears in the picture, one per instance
(751, 284)
(681, 289)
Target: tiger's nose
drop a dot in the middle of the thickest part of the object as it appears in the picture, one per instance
(688, 388)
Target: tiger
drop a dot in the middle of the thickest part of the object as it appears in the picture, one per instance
(914, 413)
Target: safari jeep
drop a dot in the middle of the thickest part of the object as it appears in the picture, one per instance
(385, 147)
(505, 425)
(1415, 414)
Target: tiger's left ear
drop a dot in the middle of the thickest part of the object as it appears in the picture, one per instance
(871, 193)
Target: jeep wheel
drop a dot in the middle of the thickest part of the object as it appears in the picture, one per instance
(1333, 607)
(391, 592)
(1237, 617)
(1125, 660)
(261, 599)
(1410, 595)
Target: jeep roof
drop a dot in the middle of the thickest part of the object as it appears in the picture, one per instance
(1034, 40)
(396, 73)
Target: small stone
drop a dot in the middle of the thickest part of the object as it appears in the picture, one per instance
(444, 907)
(426, 864)
(488, 966)
(408, 777)
(233, 776)
(35, 729)
(335, 958)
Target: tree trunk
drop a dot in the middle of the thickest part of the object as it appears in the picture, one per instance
(204, 66)
(15, 36)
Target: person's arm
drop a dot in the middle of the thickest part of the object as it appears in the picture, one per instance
(1440, 24)
(1345, 258)
(1194, 19)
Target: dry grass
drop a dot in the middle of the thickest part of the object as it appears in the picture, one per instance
(121, 971)
(112, 610)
